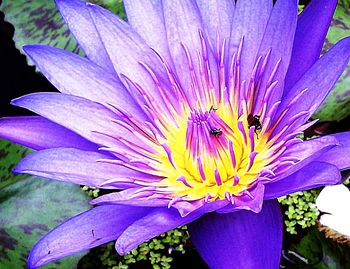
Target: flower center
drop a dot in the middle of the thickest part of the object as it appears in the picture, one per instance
(214, 155)
(209, 139)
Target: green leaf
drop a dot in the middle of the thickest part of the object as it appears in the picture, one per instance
(337, 105)
(30, 207)
(28, 210)
(39, 22)
(10, 154)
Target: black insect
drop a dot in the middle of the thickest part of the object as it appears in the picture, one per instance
(254, 121)
(212, 109)
(93, 233)
(216, 132)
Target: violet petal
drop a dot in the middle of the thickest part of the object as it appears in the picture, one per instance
(249, 21)
(80, 115)
(312, 28)
(39, 133)
(159, 221)
(313, 175)
(241, 239)
(217, 18)
(146, 18)
(282, 23)
(318, 81)
(84, 231)
(79, 167)
(81, 25)
(72, 74)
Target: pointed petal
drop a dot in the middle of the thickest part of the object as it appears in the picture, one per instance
(311, 176)
(80, 115)
(252, 201)
(241, 239)
(217, 17)
(127, 50)
(318, 81)
(312, 28)
(340, 155)
(146, 18)
(249, 21)
(165, 220)
(78, 167)
(84, 231)
(133, 197)
(72, 74)
(306, 155)
(183, 24)
(39, 133)
(308, 148)
(282, 24)
(158, 221)
(80, 23)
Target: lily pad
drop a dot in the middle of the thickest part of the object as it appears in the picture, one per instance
(29, 208)
(337, 105)
(39, 22)
(10, 154)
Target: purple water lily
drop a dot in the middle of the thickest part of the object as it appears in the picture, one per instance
(193, 110)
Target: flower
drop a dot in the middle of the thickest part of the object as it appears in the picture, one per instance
(192, 109)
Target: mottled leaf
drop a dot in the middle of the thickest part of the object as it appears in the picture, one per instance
(10, 154)
(337, 105)
(30, 207)
(38, 22)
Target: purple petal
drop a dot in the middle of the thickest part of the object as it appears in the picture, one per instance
(80, 115)
(338, 156)
(241, 239)
(282, 24)
(186, 208)
(316, 148)
(72, 74)
(308, 148)
(39, 133)
(252, 201)
(318, 81)
(79, 21)
(146, 18)
(306, 155)
(127, 50)
(313, 175)
(133, 197)
(84, 231)
(312, 28)
(183, 24)
(158, 221)
(78, 167)
(217, 17)
(249, 21)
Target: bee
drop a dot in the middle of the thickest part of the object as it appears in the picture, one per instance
(216, 132)
(254, 121)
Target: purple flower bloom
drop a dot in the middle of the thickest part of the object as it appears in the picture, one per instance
(192, 109)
